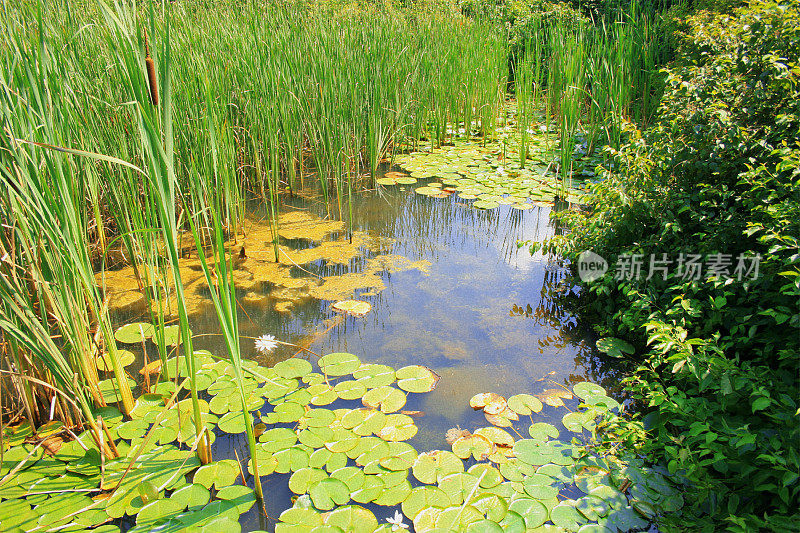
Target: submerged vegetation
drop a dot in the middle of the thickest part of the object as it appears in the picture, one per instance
(137, 138)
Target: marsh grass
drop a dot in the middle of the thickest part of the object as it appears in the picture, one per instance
(124, 126)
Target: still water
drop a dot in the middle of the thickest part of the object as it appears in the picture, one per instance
(485, 315)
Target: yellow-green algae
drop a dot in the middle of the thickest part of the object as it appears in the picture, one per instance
(260, 280)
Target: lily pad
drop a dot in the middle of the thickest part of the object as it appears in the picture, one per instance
(105, 364)
(352, 518)
(432, 466)
(474, 445)
(304, 478)
(350, 390)
(533, 512)
(397, 428)
(355, 308)
(422, 498)
(417, 378)
(338, 364)
(219, 474)
(567, 516)
(134, 333)
(542, 431)
(373, 376)
(524, 404)
(292, 368)
(387, 399)
(328, 493)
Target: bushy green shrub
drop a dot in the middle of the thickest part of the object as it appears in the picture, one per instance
(718, 357)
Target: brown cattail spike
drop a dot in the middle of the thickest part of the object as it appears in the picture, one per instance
(151, 72)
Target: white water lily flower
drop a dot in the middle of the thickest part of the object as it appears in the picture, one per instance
(397, 522)
(266, 343)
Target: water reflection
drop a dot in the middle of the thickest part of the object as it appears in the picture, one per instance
(486, 316)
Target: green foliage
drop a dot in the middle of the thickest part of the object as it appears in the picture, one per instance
(718, 173)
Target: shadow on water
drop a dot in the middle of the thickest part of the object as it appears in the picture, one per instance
(487, 316)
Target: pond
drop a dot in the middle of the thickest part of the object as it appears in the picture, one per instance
(479, 311)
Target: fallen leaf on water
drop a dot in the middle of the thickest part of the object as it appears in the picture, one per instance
(414, 414)
(153, 367)
(453, 434)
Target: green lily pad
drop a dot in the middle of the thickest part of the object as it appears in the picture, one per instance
(304, 478)
(432, 466)
(459, 486)
(401, 456)
(524, 404)
(350, 390)
(393, 494)
(305, 519)
(497, 436)
(219, 474)
(592, 507)
(364, 421)
(492, 506)
(513, 522)
(485, 204)
(105, 364)
(315, 437)
(352, 518)
(134, 333)
(232, 423)
(157, 510)
(171, 335)
(474, 445)
(489, 476)
(417, 378)
(292, 459)
(373, 376)
(387, 399)
(533, 512)
(342, 441)
(352, 476)
(424, 497)
(239, 495)
(293, 368)
(338, 364)
(458, 518)
(328, 493)
(585, 390)
(398, 428)
(614, 347)
(371, 489)
(567, 516)
(317, 418)
(541, 431)
(193, 496)
(322, 394)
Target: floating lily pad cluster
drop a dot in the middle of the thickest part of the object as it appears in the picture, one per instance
(489, 480)
(475, 172)
(345, 461)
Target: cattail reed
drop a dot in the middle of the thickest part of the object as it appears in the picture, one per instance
(151, 72)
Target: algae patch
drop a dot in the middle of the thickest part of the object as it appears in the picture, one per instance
(261, 281)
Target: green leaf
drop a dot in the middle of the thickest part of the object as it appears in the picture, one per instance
(219, 474)
(614, 347)
(328, 493)
(417, 378)
(387, 399)
(338, 364)
(352, 518)
(524, 404)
